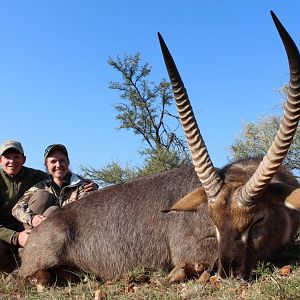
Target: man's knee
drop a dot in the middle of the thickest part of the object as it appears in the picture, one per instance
(40, 201)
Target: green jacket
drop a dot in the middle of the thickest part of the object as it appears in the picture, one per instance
(12, 189)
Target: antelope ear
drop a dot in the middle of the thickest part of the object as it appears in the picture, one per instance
(191, 201)
(293, 199)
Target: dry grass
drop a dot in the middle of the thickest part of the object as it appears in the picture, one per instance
(144, 284)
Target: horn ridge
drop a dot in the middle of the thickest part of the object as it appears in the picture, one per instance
(288, 126)
(209, 178)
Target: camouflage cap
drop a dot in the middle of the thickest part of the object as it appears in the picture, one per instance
(11, 145)
(58, 147)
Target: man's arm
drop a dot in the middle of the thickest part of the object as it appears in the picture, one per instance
(7, 235)
(21, 210)
(13, 237)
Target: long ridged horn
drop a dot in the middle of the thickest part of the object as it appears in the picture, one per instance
(209, 178)
(281, 144)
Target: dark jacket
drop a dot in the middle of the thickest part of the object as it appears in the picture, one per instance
(12, 189)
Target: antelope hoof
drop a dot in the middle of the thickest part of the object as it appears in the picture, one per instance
(184, 271)
(43, 279)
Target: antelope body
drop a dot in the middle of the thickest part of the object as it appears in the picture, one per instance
(118, 228)
(235, 216)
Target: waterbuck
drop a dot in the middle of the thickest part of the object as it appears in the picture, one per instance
(234, 216)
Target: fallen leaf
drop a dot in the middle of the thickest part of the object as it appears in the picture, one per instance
(100, 295)
(130, 288)
(286, 270)
(178, 274)
(204, 278)
(214, 280)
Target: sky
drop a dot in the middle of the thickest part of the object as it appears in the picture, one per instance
(54, 74)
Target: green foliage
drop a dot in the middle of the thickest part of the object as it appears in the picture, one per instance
(263, 269)
(145, 109)
(112, 173)
(155, 161)
(256, 139)
(161, 160)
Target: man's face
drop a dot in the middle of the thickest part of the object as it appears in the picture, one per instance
(57, 164)
(12, 161)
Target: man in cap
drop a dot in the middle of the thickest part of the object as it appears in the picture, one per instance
(60, 188)
(15, 180)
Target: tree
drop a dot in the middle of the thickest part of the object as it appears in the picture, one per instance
(145, 106)
(256, 139)
(145, 109)
(161, 159)
(113, 173)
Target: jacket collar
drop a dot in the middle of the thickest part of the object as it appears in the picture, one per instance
(15, 177)
(71, 179)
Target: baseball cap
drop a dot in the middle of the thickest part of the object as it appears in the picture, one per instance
(58, 147)
(11, 145)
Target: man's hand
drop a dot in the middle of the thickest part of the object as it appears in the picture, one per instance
(37, 220)
(90, 186)
(23, 236)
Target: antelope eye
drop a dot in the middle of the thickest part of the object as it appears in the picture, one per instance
(259, 220)
(256, 228)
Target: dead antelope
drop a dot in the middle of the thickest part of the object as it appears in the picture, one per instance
(235, 216)
(253, 215)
